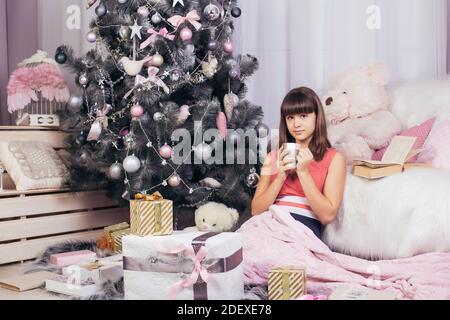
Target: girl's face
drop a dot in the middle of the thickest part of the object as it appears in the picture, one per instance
(301, 126)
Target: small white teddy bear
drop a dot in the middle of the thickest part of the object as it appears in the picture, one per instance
(215, 217)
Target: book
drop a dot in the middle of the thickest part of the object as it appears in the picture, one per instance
(394, 161)
(344, 293)
(71, 286)
(26, 282)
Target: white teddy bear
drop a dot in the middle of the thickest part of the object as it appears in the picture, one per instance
(215, 217)
(356, 109)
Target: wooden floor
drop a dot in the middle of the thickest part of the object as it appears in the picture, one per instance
(16, 269)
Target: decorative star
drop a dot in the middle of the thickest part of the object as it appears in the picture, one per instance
(175, 2)
(135, 30)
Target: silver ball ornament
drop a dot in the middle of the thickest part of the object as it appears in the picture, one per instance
(156, 18)
(101, 9)
(75, 102)
(122, 1)
(174, 181)
(252, 180)
(132, 164)
(115, 171)
(83, 79)
(213, 11)
(158, 117)
(213, 45)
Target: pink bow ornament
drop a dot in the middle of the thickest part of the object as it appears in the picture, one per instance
(192, 17)
(154, 34)
(100, 123)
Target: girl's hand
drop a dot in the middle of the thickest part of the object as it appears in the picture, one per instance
(304, 159)
(284, 165)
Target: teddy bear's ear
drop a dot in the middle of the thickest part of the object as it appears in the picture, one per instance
(379, 73)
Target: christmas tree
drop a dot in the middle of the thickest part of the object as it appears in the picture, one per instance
(162, 104)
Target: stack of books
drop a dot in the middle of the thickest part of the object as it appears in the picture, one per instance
(395, 160)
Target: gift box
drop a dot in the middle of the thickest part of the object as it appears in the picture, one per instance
(112, 237)
(101, 271)
(184, 266)
(71, 258)
(151, 215)
(287, 283)
(117, 238)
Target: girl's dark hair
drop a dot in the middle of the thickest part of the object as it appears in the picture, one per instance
(305, 101)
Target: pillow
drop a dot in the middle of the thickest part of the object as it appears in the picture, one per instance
(33, 165)
(437, 146)
(421, 132)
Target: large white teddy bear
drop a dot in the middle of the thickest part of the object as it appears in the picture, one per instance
(356, 109)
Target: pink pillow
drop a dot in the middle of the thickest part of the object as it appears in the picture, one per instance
(437, 147)
(421, 132)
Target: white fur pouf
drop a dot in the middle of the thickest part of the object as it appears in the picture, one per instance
(396, 217)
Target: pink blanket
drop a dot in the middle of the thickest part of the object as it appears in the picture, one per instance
(276, 239)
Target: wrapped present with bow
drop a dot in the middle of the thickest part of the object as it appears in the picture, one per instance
(112, 237)
(287, 283)
(151, 215)
(184, 266)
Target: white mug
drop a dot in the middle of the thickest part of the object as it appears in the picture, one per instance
(293, 150)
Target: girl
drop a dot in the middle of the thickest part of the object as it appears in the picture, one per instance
(313, 192)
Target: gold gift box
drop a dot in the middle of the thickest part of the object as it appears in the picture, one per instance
(117, 239)
(287, 283)
(151, 215)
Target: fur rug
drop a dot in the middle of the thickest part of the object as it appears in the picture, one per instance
(111, 290)
(396, 217)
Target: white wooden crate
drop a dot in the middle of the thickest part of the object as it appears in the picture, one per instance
(34, 220)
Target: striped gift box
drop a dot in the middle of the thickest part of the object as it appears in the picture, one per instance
(287, 283)
(117, 239)
(151, 217)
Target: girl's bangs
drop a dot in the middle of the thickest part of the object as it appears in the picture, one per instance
(297, 104)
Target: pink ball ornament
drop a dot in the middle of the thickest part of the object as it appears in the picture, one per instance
(137, 111)
(228, 47)
(186, 34)
(166, 152)
(143, 12)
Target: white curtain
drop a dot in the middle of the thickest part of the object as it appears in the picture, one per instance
(308, 42)
(64, 22)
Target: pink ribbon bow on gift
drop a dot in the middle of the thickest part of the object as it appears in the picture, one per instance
(152, 78)
(192, 17)
(100, 123)
(311, 297)
(154, 34)
(199, 271)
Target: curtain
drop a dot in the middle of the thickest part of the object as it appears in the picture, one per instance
(309, 42)
(18, 40)
(64, 22)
